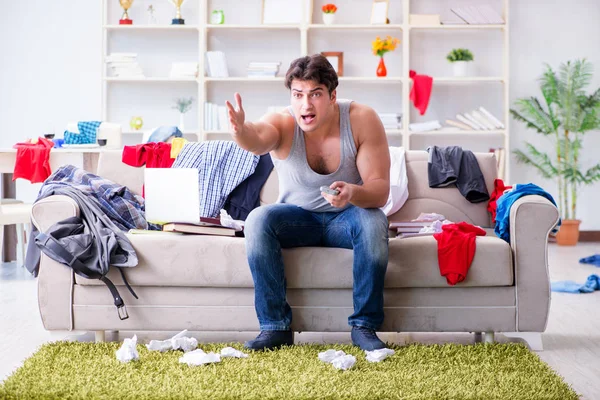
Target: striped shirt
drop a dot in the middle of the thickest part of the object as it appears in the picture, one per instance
(222, 166)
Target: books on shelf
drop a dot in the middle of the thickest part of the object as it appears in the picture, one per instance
(391, 120)
(263, 69)
(478, 15)
(206, 226)
(480, 119)
(500, 154)
(216, 64)
(124, 65)
(215, 117)
(425, 126)
(184, 70)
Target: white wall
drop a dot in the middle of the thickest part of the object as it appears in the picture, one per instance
(554, 32)
(51, 66)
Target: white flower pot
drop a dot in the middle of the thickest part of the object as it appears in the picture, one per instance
(461, 68)
(181, 122)
(328, 18)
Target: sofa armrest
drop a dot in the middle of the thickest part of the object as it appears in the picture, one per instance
(55, 281)
(531, 220)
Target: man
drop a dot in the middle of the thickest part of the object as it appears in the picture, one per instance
(318, 141)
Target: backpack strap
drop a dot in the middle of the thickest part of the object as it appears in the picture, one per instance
(47, 242)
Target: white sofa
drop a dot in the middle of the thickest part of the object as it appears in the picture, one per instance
(203, 283)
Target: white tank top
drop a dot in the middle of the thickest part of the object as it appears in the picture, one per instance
(299, 184)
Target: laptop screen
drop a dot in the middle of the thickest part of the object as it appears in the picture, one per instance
(172, 195)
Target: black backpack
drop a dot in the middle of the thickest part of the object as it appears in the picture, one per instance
(67, 242)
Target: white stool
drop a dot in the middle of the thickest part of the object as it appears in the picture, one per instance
(15, 212)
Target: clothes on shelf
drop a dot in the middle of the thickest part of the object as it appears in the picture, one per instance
(420, 91)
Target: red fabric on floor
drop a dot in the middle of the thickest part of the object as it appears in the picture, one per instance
(33, 160)
(456, 249)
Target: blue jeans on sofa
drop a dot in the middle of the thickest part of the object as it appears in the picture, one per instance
(272, 227)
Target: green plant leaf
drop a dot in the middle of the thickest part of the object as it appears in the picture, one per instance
(537, 159)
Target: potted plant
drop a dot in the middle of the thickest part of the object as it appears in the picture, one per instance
(329, 13)
(183, 105)
(460, 59)
(380, 47)
(566, 114)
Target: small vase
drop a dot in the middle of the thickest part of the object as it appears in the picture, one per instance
(461, 68)
(381, 70)
(328, 18)
(181, 122)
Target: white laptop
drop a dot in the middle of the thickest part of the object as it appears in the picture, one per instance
(172, 195)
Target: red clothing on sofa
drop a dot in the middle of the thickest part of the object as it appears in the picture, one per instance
(153, 155)
(456, 249)
(421, 90)
(33, 160)
(499, 189)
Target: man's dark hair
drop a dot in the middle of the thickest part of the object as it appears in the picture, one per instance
(312, 68)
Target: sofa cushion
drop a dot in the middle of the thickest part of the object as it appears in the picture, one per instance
(214, 261)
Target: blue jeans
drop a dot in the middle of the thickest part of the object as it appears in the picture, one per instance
(272, 227)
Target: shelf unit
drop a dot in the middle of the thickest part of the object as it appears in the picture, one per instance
(403, 31)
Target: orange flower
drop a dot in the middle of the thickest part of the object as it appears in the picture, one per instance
(329, 8)
(380, 47)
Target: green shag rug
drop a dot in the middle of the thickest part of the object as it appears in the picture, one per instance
(73, 370)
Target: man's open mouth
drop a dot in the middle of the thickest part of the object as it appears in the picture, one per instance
(308, 118)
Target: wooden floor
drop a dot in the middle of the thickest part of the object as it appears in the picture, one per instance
(571, 341)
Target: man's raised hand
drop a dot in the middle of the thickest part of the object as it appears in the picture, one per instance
(237, 115)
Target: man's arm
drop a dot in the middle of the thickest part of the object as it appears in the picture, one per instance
(257, 137)
(372, 161)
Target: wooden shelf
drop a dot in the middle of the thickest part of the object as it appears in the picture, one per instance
(278, 27)
(394, 132)
(151, 27)
(356, 26)
(467, 79)
(245, 79)
(459, 26)
(446, 131)
(141, 131)
(149, 79)
(374, 79)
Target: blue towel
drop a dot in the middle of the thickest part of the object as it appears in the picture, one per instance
(86, 135)
(595, 260)
(506, 201)
(592, 284)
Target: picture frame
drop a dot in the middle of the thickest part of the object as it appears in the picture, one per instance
(379, 12)
(282, 12)
(336, 59)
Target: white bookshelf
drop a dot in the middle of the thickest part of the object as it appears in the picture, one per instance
(313, 36)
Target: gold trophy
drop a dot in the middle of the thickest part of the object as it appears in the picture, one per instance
(178, 20)
(126, 4)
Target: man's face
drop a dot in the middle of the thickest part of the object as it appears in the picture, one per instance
(311, 104)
